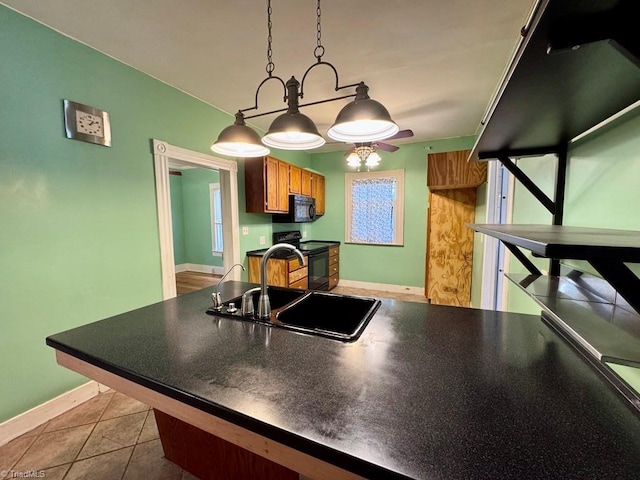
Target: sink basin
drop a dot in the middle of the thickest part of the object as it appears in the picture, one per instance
(341, 317)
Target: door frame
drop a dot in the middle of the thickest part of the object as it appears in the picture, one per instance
(163, 152)
(499, 211)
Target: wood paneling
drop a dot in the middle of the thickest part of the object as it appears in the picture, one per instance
(254, 269)
(451, 170)
(450, 247)
(211, 458)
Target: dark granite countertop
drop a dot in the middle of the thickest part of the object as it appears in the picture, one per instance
(426, 392)
(305, 247)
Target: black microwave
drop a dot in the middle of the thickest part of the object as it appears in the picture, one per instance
(301, 209)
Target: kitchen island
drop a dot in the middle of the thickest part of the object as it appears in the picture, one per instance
(427, 391)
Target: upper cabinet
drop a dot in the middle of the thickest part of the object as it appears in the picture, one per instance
(317, 182)
(269, 182)
(266, 185)
(577, 64)
(451, 170)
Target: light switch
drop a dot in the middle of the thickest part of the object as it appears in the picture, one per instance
(263, 240)
(304, 234)
(245, 230)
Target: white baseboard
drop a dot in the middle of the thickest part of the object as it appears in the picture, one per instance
(194, 267)
(27, 421)
(386, 287)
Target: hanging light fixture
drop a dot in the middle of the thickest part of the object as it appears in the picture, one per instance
(363, 153)
(363, 120)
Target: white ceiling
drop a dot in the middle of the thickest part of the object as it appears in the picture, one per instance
(433, 63)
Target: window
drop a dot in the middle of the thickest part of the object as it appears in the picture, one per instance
(374, 204)
(216, 218)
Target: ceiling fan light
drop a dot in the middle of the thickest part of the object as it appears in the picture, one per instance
(363, 120)
(293, 131)
(373, 160)
(238, 140)
(353, 160)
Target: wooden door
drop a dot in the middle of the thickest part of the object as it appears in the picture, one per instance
(283, 187)
(271, 184)
(294, 179)
(450, 246)
(306, 183)
(318, 193)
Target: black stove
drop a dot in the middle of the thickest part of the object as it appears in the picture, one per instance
(317, 260)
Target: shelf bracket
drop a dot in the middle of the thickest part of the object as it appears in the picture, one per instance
(528, 184)
(533, 270)
(621, 278)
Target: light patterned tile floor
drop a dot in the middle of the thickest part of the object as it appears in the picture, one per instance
(108, 437)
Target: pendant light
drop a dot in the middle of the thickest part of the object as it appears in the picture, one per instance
(362, 120)
(238, 140)
(293, 130)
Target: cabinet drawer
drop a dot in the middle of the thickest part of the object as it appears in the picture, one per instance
(295, 264)
(301, 284)
(297, 275)
(334, 260)
(333, 270)
(334, 251)
(333, 281)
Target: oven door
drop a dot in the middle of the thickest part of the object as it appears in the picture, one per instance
(319, 270)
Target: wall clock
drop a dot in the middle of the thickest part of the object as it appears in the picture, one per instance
(85, 123)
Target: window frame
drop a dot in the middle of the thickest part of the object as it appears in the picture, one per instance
(398, 227)
(216, 249)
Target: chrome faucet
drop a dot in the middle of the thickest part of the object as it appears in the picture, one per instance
(264, 307)
(215, 296)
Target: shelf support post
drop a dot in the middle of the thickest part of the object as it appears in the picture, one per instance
(558, 201)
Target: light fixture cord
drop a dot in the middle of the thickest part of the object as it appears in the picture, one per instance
(318, 52)
(270, 65)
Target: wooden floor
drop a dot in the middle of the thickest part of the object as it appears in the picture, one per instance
(187, 282)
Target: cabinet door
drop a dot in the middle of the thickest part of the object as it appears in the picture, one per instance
(318, 193)
(271, 184)
(283, 187)
(294, 179)
(305, 188)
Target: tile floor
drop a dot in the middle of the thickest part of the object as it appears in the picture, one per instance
(108, 437)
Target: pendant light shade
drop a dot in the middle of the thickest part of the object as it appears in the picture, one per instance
(293, 130)
(363, 120)
(238, 140)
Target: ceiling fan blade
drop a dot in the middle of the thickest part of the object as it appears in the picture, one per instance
(386, 147)
(401, 134)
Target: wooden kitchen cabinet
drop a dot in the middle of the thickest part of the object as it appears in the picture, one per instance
(334, 267)
(266, 185)
(449, 170)
(305, 185)
(295, 180)
(317, 182)
(281, 272)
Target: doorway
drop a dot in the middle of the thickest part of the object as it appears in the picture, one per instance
(164, 154)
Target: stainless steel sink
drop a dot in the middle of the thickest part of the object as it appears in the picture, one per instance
(339, 317)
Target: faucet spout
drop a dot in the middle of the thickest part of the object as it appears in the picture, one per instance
(215, 296)
(264, 307)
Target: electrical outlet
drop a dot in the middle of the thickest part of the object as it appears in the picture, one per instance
(245, 230)
(263, 240)
(304, 234)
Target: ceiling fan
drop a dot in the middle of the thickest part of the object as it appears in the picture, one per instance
(366, 152)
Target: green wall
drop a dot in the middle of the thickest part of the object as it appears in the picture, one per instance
(383, 264)
(79, 236)
(177, 219)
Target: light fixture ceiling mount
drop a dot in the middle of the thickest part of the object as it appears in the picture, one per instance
(362, 120)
